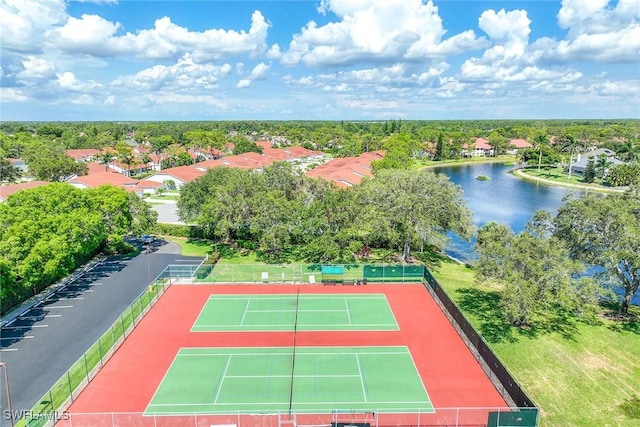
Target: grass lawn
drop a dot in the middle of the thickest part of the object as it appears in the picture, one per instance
(471, 160)
(192, 247)
(580, 374)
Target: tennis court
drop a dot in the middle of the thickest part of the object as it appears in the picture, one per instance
(302, 379)
(303, 312)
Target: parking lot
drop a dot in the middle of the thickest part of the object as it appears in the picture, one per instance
(41, 343)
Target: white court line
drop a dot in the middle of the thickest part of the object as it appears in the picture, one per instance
(226, 367)
(246, 308)
(408, 402)
(289, 297)
(17, 338)
(288, 354)
(296, 376)
(310, 325)
(364, 391)
(346, 303)
(293, 311)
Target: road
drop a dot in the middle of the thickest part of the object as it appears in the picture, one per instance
(44, 342)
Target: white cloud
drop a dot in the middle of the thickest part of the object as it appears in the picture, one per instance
(9, 94)
(110, 100)
(93, 35)
(83, 99)
(68, 81)
(274, 52)
(176, 98)
(185, 74)
(243, 83)
(598, 31)
(36, 68)
(24, 22)
(260, 71)
(376, 31)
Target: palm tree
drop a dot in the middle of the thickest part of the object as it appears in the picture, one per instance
(571, 145)
(105, 158)
(602, 163)
(629, 151)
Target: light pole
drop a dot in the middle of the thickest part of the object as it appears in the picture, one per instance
(6, 383)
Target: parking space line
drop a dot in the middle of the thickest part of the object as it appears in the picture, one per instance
(17, 338)
(9, 349)
(59, 306)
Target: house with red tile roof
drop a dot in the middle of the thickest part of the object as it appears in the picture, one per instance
(105, 178)
(479, 148)
(518, 145)
(83, 155)
(8, 190)
(347, 171)
(179, 175)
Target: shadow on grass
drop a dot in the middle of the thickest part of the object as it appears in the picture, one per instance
(629, 322)
(554, 320)
(631, 407)
(485, 306)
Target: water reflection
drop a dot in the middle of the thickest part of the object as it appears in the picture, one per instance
(503, 198)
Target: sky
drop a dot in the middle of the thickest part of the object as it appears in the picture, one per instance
(140, 60)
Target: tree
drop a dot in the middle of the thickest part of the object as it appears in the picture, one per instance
(589, 174)
(105, 158)
(602, 163)
(605, 232)
(125, 155)
(533, 271)
(624, 174)
(498, 142)
(159, 144)
(8, 172)
(411, 208)
(243, 145)
(50, 163)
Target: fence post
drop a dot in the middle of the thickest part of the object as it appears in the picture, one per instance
(53, 408)
(86, 369)
(70, 388)
(100, 350)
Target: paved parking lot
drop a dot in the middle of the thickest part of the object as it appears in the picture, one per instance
(43, 342)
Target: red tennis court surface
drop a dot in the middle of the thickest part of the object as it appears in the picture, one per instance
(121, 391)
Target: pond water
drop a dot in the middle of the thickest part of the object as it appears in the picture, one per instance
(503, 198)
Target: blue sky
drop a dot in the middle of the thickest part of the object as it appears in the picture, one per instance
(319, 60)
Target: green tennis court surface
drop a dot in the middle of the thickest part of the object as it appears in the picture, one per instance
(306, 312)
(250, 380)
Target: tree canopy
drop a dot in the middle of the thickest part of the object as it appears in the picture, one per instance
(603, 232)
(46, 232)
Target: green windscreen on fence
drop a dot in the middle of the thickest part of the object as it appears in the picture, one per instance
(393, 273)
(522, 418)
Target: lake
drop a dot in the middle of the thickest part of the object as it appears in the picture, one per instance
(502, 198)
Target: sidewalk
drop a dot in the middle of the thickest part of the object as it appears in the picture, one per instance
(11, 316)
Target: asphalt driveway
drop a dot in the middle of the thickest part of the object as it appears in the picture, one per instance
(41, 344)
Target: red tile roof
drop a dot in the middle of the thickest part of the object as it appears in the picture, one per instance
(521, 143)
(82, 153)
(7, 190)
(98, 179)
(346, 171)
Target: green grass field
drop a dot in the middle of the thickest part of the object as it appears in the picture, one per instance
(323, 379)
(286, 312)
(580, 374)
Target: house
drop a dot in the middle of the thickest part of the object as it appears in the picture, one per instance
(8, 190)
(179, 175)
(480, 148)
(583, 158)
(518, 145)
(105, 178)
(347, 171)
(83, 155)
